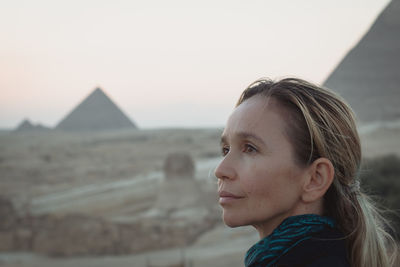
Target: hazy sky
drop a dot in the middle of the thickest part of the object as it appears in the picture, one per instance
(165, 63)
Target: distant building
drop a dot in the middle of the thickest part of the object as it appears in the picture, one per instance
(369, 76)
(96, 113)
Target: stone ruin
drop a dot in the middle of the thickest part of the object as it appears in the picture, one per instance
(97, 112)
(179, 165)
(368, 77)
(182, 215)
(180, 196)
(79, 235)
(27, 126)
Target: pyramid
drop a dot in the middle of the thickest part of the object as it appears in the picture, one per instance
(369, 75)
(27, 126)
(95, 113)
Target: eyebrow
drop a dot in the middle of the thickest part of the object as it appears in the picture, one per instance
(243, 135)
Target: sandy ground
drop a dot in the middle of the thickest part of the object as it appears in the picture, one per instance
(114, 174)
(228, 251)
(42, 166)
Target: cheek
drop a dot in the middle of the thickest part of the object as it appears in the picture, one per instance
(256, 185)
(253, 178)
(270, 184)
(249, 188)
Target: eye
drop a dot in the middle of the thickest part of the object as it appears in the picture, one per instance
(224, 150)
(248, 148)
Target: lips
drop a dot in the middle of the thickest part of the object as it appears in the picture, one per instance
(226, 197)
(227, 194)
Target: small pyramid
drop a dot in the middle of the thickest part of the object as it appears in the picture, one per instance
(96, 113)
(27, 126)
(369, 76)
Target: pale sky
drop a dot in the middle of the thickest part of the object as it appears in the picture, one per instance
(165, 63)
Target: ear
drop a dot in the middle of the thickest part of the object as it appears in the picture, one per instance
(319, 178)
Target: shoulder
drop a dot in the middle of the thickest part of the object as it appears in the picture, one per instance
(327, 248)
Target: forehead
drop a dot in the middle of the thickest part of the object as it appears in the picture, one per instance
(260, 115)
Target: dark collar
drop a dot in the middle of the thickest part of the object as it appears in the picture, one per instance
(287, 235)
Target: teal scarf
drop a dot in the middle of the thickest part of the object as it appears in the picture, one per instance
(287, 235)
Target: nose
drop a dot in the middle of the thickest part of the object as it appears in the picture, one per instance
(225, 169)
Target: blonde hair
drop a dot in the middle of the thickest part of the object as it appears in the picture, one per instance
(321, 124)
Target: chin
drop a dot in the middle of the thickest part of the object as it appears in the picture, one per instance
(232, 221)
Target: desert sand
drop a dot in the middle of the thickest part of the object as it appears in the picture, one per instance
(118, 177)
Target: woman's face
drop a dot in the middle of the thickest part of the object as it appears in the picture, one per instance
(259, 182)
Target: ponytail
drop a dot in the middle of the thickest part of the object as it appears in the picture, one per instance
(365, 228)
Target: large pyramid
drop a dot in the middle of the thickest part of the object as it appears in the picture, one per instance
(369, 76)
(96, 113)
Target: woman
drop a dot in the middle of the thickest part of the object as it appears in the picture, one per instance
(290, 169)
